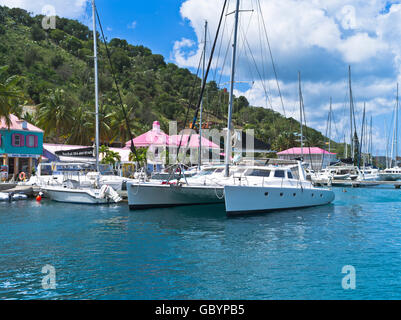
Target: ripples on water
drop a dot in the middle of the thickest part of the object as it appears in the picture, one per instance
(109, 252)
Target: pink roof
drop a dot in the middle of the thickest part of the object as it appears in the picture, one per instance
(194, 142)
(150, 138)
(16, 124)
(306, 150)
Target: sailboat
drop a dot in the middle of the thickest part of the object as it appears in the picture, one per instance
(393, 173)
(266, 187)
(280, 190)
(72, 191)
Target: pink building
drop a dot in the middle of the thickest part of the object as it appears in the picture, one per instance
(317, 158)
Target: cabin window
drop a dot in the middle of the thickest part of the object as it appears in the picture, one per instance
(279, 174)
(258, 173)
(289, 174)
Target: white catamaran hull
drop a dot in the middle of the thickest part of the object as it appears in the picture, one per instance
(143, 196)
(244, 199)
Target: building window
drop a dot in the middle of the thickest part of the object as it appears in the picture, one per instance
(31, 141)
(17, 140)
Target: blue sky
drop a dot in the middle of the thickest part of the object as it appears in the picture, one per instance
(320, 38)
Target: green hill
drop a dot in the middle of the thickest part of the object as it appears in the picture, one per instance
(57, 70)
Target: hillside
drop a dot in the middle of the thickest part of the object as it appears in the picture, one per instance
(57, 71)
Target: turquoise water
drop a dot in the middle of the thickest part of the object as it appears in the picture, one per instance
(109, 252)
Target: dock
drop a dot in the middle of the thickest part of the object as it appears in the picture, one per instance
(357, 184)
(30, 191)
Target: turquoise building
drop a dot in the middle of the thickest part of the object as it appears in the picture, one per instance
(21, 148)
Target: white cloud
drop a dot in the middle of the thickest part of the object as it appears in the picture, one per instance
(318, 37)
(64, 8)
(132, 25)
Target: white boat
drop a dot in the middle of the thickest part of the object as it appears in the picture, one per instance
(104, 195)
(12, 197)
(369, 174)
(269, 188)
(50, 174)
(390, 174)
(206, 187)
(88, 191)
(273, 189)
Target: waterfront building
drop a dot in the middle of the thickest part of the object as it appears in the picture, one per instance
(317, 158)
(21, 147)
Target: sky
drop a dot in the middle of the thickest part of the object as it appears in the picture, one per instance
(318, 38)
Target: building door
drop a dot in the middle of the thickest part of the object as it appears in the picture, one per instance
(10, 167)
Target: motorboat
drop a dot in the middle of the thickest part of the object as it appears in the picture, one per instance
(390, 174)
(55, 173)
(70, 193)
(12, 196)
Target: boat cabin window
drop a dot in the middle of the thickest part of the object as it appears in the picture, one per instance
(219, 170)
(289, 174)
(279, 174)
(258, 173)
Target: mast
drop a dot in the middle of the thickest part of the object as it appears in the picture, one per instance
(300, 114)
(350, 112)
(96, 84)
(362, 136)
(371, 142)
(201, 106)
(230, 107)
(330, 111)
(396, 130)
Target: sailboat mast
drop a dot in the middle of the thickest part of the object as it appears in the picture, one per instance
(350, 112)
(330, 112)
(396, 130)
(201, 105)
(300, 114)
(371, 142)
(361, 145)
(230, 107)
(96, 84)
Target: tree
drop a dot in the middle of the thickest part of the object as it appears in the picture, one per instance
(10, 94)
(55, 113)
(37, 33)
(140, 157)
(109, 156)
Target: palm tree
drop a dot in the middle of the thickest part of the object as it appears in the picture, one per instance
(80, 132)
(10, 95)
(55, 113)
(118, 124)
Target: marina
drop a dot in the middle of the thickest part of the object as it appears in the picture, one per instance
(255, 157)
